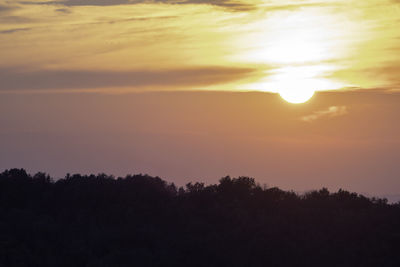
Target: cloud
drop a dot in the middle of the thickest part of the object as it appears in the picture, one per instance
(233, 5)
(6, 8)
(15, 19)
(13, 79)
(9, 31)
(229, 4)
(332, 111)
(64, 10)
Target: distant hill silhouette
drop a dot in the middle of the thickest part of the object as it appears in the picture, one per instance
(100, 220)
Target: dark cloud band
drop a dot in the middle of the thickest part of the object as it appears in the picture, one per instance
(71, 79)
(229, 4)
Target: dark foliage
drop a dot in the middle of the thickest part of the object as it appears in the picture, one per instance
(144, 221)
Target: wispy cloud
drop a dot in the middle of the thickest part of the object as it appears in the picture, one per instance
(332, 111)
(13, 79)
(117, 36)
(14, 30)
(4, 8)
(63, 10)
(228, 4)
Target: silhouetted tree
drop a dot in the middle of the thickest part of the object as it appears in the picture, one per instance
(139, 220)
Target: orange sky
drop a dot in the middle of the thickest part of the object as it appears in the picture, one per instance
(188, 90)
(190, 136)
(140, 45)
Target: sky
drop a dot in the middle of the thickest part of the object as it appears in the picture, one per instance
(193, 90)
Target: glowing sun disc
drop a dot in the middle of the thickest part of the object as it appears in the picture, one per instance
(296, 96)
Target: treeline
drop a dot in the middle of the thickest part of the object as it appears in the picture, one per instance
(138, 220)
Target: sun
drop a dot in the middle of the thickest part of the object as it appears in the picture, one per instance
(298, 51)
(296, 84)
(296, 96)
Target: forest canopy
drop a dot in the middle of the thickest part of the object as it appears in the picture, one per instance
(139, 220)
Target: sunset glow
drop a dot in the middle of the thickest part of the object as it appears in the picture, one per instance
(245, 45)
